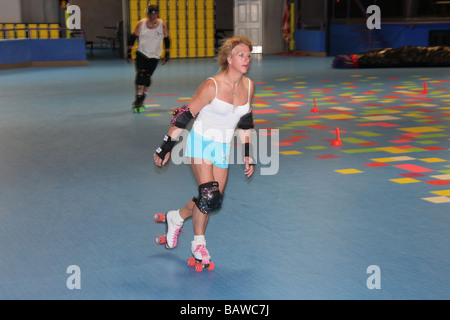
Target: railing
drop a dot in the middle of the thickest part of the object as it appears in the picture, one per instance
(320, 26)
(10, 31)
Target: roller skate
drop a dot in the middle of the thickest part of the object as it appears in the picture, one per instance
(173, 228)
(201, 258)
(138, 105)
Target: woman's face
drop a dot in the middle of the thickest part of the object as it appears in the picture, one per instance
(152, 17)
(240, 58)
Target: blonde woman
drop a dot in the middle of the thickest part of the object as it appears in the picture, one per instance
(221, 104)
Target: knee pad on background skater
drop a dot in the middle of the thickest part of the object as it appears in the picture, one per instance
(209, 198)
(143, 78)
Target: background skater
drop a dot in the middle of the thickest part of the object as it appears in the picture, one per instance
(150, 33)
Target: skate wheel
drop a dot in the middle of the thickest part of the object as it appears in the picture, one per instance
(198, 267)
(160, 239)
(191, 262)
(160, 217)
(211, 266)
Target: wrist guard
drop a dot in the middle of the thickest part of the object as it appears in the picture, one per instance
(165, 147)
(247, 153)
(166, 58)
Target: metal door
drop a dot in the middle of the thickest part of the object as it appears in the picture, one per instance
(248, 21)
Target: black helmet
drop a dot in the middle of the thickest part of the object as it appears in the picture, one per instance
(152, 9)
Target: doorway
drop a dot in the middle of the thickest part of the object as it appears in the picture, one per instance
(248, 21)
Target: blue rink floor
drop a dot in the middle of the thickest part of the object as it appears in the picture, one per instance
(367, 220)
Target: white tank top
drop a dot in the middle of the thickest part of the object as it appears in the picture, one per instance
(150, 40)
(217, 121)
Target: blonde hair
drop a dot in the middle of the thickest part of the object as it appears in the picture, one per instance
(227, 49)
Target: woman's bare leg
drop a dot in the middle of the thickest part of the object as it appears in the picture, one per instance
(203, 172)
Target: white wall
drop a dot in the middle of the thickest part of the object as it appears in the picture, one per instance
(10, 11)
(40, 11)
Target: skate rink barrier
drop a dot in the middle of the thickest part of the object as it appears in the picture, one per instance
(39, 45)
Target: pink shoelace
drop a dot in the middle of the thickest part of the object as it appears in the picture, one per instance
(175, 235)
(202, 249)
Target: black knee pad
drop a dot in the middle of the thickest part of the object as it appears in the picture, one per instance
(209, 198)
(143, 78)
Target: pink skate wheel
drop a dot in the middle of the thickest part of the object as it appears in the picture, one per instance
(159, 217)
(211, 266)
(191, 262)
(160, 239)
(198, 267)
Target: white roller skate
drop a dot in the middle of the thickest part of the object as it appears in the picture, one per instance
(201, 258)
(174, 223)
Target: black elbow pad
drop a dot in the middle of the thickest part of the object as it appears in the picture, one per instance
(181, 117)
(167, 42)
(246, 121)
(132, 39)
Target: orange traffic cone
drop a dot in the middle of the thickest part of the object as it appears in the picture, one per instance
(425, 88)
(315, 109)
(337, 141)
